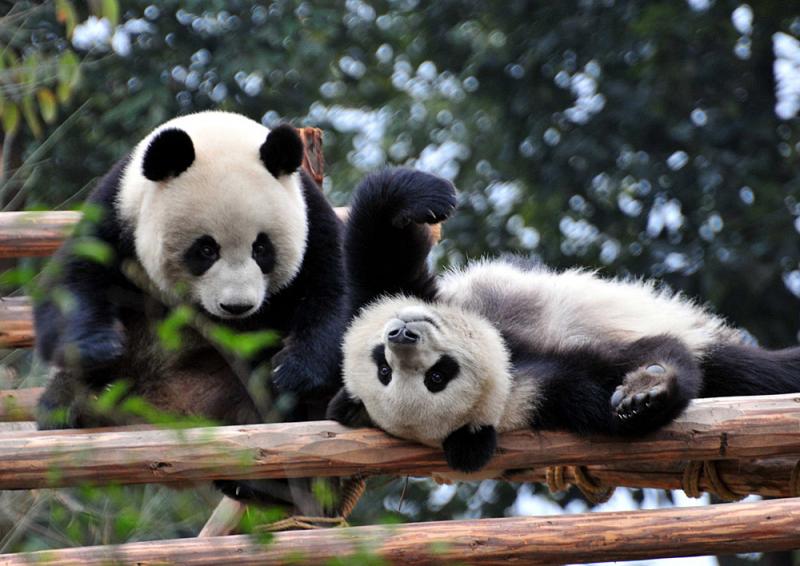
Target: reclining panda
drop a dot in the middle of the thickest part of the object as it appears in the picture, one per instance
(501, 345)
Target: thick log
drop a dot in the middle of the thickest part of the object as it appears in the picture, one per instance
(19, 404)
(28, 234)
(589, 537)
(729, 428)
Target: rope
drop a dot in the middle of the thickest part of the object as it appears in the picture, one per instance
(719, 487)
(592, 489)
(690, 482)
(554, 477)
(352, 490)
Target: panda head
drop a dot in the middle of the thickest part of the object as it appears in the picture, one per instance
(427, 372)
(216, 207)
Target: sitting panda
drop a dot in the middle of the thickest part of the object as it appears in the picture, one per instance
(211, 204)
(502, 345)
(212, 209)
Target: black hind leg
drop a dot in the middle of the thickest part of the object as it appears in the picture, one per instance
(663, 378)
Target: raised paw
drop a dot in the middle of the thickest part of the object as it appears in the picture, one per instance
(433, 199)
(646, 398)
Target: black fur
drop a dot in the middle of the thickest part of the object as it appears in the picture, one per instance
(169, 154)
(282, 153)
(201, 255)
(348, 411)
(386, 241)
(264, 253)
(441, 373)
(469, 449)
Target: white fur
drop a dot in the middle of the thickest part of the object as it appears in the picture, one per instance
(226, 193)
(576, 307)
(405, 407)
(548, 310)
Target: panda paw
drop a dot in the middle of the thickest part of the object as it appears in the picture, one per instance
(431, 199)
(646, 399)
(96, 348)
(299, 375)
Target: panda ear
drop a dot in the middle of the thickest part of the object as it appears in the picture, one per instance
(349, 411)
(282, 153)
(169, 154)
(470, 448)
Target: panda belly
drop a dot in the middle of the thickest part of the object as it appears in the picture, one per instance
(542, 310)
(194, 380)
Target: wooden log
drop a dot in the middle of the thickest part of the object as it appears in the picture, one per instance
(16, 322)
(588, 537)
(19, 404)
(29, 234)
(726, 428)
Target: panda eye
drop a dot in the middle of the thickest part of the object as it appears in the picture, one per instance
(384, 373)
(201, 255)
(436, 377)
(259, 249)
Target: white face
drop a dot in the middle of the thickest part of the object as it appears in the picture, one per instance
(423, 371)
(225, 230)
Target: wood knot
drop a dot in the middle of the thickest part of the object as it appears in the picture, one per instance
(157, 467)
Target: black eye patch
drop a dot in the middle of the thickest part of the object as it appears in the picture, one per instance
(264, 253)
(384, 370)
(441, 373)
(201, 255)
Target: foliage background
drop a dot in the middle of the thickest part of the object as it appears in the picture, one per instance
(646, 138)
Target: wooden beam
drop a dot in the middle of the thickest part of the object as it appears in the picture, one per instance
(28, 234)
(726, 428)
(19, 404)
(588, 537)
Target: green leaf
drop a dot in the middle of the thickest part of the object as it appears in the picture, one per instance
(169, 329)
(112, 395)
(94, 250)
(47, 105)
(10, 119)
(32, 119)
(245, 344)
(110, 11)
(69, 67)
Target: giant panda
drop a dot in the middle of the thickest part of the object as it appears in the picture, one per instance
(213, 209)
(506, 344)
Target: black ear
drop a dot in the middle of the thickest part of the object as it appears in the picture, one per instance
(282, 153)
(169, 154)
(348, 411)
(468, 449)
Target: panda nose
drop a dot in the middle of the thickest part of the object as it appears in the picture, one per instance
(403, 336)
(235, 309)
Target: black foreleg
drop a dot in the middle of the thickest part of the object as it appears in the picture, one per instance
(632, 389)
(386, 240)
